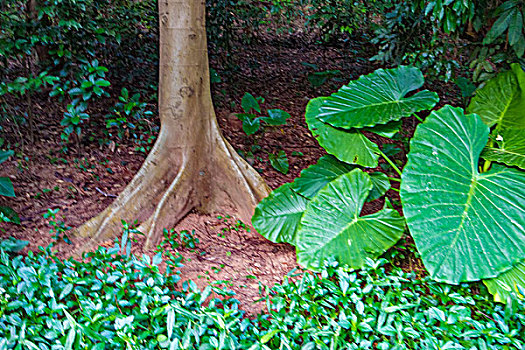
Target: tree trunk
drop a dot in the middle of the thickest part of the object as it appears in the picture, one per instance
(191, 165)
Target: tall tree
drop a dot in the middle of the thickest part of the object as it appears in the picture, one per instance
(191, 165)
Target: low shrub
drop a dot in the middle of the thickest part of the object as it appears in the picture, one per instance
(114, 300)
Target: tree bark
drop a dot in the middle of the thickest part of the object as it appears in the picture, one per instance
(191, 165)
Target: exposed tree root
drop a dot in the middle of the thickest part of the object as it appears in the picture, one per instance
(159, 198)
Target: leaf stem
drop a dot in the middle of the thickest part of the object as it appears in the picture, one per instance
(394, 179)
(394, 189)
(390, 162)
(487, 163)
(417, 117)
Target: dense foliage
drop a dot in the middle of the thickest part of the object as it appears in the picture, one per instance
(81, 51)
(440, 37)
(72, 50)
(466, 215)
(114, 300)
(434, 35)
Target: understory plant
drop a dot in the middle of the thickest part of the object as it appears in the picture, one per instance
(252, 121)
(7, 214)
(131, 118)
(54, 43)
(436, 35)
(466, 213)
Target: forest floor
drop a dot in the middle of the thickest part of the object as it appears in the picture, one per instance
(84, 181)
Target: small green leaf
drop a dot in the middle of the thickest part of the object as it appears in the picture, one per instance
(65, 292)
(515, 27)
(279, 162)
(250, 124)
(75, 91)
(498, 28)
(276, 117)
(380, 184)
(4, 155)
(70, 339)
(214, 76)
(466, 86)
(86, 84)
(170, 322)
(268, 336)
(6, 187)
(102, 82)
(319, 78)
(249, 102)
(163, 341)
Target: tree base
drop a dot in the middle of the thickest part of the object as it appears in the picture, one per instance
(173, 181)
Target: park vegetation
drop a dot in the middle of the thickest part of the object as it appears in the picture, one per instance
(455, 186)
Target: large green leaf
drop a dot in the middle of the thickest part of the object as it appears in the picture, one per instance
(377, 98)
(276, 217)
(317, 176)
(329, 168)
(511, 149)
(500, 102)
(467, 225)
(511, 281)
(332, 228)
(350, 146)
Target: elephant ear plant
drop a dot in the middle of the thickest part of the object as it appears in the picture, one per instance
(466, 213)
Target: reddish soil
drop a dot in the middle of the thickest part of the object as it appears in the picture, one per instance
(84, 181)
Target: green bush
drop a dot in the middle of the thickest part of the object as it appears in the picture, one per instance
(337, 17)
(227, 18)
(59, 43)
(434, 35)
(131, 118)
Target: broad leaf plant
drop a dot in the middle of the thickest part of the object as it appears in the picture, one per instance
(462, 190)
